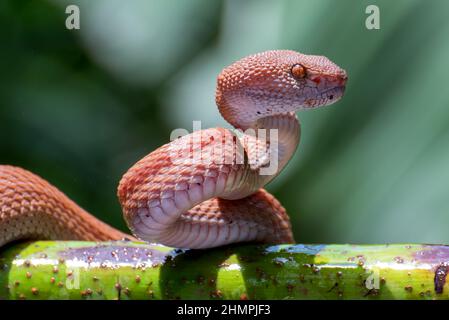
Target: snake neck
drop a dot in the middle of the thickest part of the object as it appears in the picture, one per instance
(282, 135)
(269, 137)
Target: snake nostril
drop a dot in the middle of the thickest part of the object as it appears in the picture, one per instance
(331, 96)
(342, 79)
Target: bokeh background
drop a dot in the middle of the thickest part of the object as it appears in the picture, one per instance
(79, 107)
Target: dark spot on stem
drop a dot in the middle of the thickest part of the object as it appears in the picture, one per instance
(118, 287)
(333, 287)
(371, 292)
(440, 277)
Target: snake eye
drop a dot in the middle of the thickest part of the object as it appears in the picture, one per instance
(298, 71)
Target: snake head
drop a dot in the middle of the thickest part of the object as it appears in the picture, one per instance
(277, 82)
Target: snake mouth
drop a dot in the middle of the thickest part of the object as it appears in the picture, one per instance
(334, 89)
(333, 94)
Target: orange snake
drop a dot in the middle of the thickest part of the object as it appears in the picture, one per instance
(209, 200)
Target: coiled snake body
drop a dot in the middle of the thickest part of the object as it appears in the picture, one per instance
(198, 191)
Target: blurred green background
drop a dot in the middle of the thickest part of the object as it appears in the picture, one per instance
(79, 107)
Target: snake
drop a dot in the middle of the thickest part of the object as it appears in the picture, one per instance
(203, 189)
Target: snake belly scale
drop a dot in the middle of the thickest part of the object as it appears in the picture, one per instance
(168, 198)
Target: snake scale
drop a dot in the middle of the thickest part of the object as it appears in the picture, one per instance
(212, 198)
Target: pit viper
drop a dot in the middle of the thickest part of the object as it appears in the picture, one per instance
(204, 189)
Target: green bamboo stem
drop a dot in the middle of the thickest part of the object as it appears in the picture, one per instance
(132, 270)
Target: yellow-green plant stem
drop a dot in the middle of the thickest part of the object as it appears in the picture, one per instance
(132, 270)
